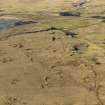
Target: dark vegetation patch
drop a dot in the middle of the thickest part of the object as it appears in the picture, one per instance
(17, 23)
(53, 38)
(80, 47)
(70, 14)
(98, 17)
(72, 34)
(67, 32)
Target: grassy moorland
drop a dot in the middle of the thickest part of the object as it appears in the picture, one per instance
(56, 60)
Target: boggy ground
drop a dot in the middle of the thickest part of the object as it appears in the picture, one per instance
(44, 63)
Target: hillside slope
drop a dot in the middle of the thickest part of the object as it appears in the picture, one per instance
(53, 59)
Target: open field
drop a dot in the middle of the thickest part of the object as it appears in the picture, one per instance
(54, 59)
